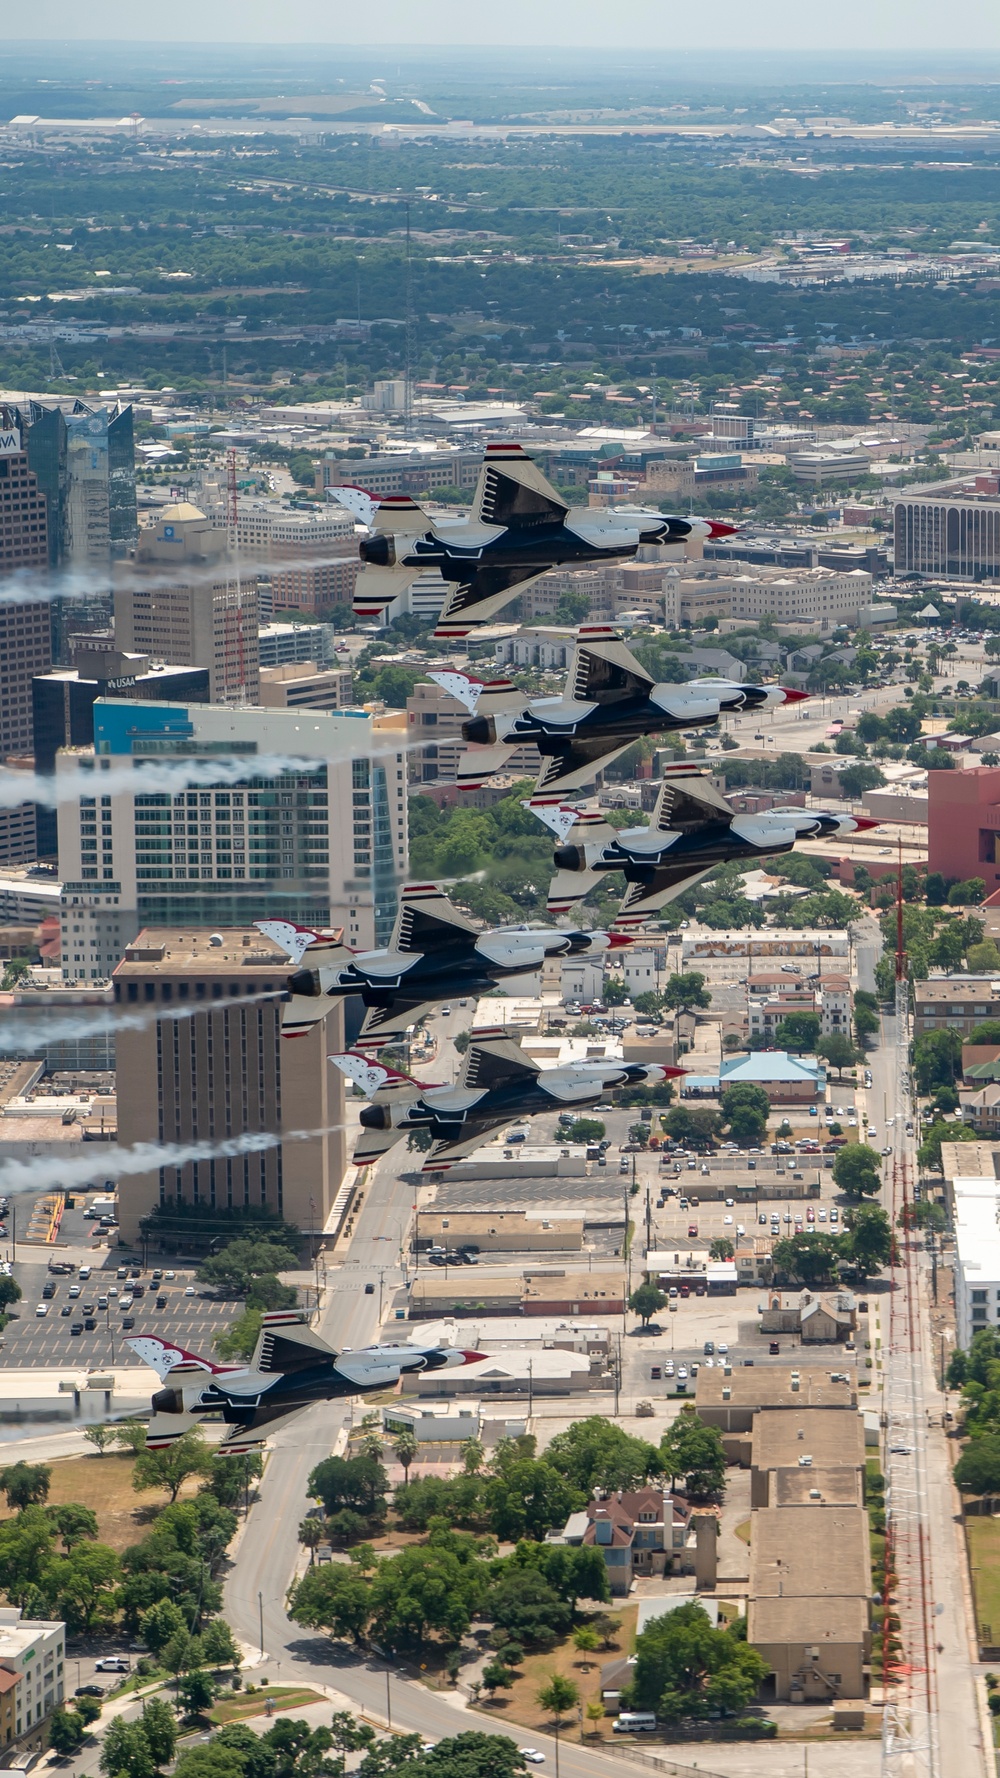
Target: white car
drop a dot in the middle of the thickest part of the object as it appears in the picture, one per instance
(709, 1363)
(74, 1290)
(85, 1271)
(170, 1276)
(821, 1214)
(113, 1664)
(532, 1755)
(682, 1373)
(729, 1203)
(42, 1310)
(668, 1369)
(727, 1220)
(190, 1291)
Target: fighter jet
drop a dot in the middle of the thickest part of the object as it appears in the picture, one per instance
(518, 528)
(693, 828)
(291, 1368)
(498, 1082)
(608, 702)
(434, 954)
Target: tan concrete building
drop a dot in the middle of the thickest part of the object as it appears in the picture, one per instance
(800, 1440)
(807, 1611)
(225, 1079)
(958, 1003)
(303, 685)
(730, 1399)
(498, 1231)
(205, 617)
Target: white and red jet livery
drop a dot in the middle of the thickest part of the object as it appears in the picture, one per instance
(291, 1368)
(519, 527)
(498, 1082)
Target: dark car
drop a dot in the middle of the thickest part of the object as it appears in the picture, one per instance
(89, 1691)
(48, 1289)
(77, 1327)
(138, 1290)
(128, 1321)
(774, 1348)
(89, 1323)
(369, 1290)
(67, 1309)
(161, 1302)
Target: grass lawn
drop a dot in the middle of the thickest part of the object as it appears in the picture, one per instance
(520, 1705)
(743, 1531)
(105, 1484)
(283, 1698)
(983, 1535)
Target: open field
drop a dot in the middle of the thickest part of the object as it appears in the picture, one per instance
(983, 1539)
(105, 1485)
(520, 1704)
(282, 1697)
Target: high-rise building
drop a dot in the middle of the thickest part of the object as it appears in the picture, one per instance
(308, 559)
(949, 530)
(25, 639)
(219, 1075)
(963, 824)
(63, 704)
(182, 598)
(323, 843)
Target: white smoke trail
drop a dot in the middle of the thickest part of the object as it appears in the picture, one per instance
(108, 1021)
(106, 1163)
(39, 586)
(146, 775)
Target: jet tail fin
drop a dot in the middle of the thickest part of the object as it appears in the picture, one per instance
(565, 818)
(568, 888)
(287, 1343)
(373, 1077)
(166, 1358)
(399, 512)
(295, 941)
(513, 492)
(302, 1011)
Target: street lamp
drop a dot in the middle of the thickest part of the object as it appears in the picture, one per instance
(260, 1606)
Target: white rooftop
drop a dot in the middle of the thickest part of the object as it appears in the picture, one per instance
(977, 1234)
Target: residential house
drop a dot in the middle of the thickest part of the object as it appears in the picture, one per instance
(640, 1531)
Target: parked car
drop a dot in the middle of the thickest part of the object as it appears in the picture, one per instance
(90, 1691)
(113, 1664)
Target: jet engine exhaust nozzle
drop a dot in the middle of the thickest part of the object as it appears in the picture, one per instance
(305, 981)
(480, 730)
(569, 858)
(378, 551)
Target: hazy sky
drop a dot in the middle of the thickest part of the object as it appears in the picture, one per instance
(729, 24)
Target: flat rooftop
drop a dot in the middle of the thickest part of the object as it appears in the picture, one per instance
(766, 1387)
(799, 1553)
(164, 951)
(782, 1437)
(778, 1622)
(977, 1235)
(835, 1486)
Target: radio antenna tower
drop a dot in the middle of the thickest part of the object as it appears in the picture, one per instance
(408, 385)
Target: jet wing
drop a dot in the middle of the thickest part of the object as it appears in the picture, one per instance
(664, 883)
(687, 799)
(258, 1426)
(572, 763)
(384, 1024)
(427, 921)
(444, 1153)
(478, 598)
(604, 671)
(300, 1012)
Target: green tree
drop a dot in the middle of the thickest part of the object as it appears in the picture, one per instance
(685, 1668)
(586, 1640)
(866, 1022)
(694, 1451)
(646, 1302)
(66, 1730)
(25, 1484)
(744, 1094)
(868, 1244)
(160, 1730)
(558, 1695)
(83, 1587)
(72, 1522)
(528, 1608)
(170, 1469)
(586, 1129)
(798, 1031)
(747, 1126)
(857, 1171)
(161, 1623)
(527, 1499)
(434, 1588)
(978, 1468)
(101, 1437)
(987, 1032)
(406, 1451)
(197, 1691)
(218, 1644)
(595, 1453)
(359, 1484)
(242, 1262)
(311, 1536)
(721, 1248)
(811, 1257)
(838, 1050)
(496, 1676)
(695, 1127)
(336, 1598)
(937, 1058)
(239, 1339)
(125, 1751)
(686, 992)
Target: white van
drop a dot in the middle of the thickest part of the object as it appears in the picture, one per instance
(635, 1722)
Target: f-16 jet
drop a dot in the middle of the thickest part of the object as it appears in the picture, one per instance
(434, 954)
(519, 527)
(693, 828)
(498, 1082)
(291, 1368)
(608, 702)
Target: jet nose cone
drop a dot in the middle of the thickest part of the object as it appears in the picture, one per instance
(864, 822)
(792, 695)
(719, 528)
(472, 1357)
(616, 939)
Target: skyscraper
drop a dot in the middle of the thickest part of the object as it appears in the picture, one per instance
(25, 641)
(322, 842)
(181, 598)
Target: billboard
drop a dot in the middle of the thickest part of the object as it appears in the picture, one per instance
(10, 440)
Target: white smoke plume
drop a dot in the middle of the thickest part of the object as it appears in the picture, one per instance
(18, 1035)
(105, 1163)
(149, 775)
(39, 586)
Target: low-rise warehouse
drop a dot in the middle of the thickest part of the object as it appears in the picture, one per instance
(807, 1612)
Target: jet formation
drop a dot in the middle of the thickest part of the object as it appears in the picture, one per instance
(291, 1368)
(518, 528)
(693, 828)
(608, 702)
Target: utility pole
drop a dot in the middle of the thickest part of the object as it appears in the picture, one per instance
(260, 1607)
